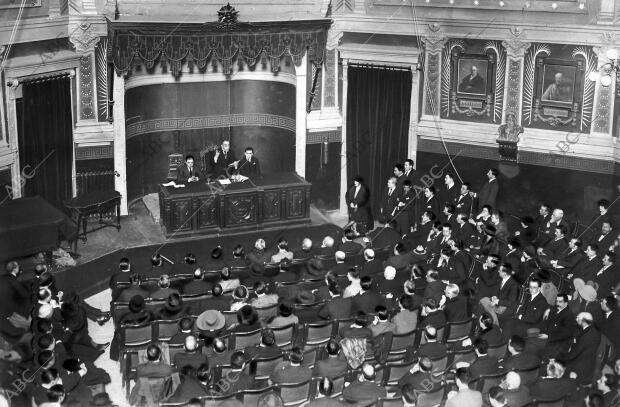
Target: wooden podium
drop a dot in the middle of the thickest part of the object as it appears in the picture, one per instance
(201, 208)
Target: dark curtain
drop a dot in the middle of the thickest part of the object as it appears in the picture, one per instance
(46, 140)
(378, 106)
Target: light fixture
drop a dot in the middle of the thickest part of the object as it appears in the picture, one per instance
(582, 6)
(554, 5)
(527, 4)
(607, 69)
(451, 1)
(476, 2)
(501, 3)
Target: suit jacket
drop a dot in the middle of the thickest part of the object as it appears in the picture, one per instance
(555, 248)
(382, 327)
(569, 260)
(399, 262)
(434, 290)
(388, 205)
(464, 204)
(464, 233)
(384, 237)
(184, 173)
(560, 326)
(366, 302)
(290, 374)
(431, 205)
(249, 169)
(330, 367)
(453, 271)
(336, 308)
(436, 319)
(546, 388)
(581, 358)
(450, 194)
(405, 321)
(610, 327)
(189, 359)
(517, 397)
(433, 350)
(604, 241)
(587, 269)
(531, 311)
(363, 391)
(223, 161)
(189, 388)
(371, 267)
(352, 332)
(508, 295)
(15, 297)
(128, 293)
(488, 194)
(350, 247)
(151, 369)
(456, 309)
(520, 361)
(484, 365)
(606, 281)
(465, 398)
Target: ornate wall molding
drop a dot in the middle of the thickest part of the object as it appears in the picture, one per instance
(515, 53)
(87, 92)
(103, 91)
(603, 97)
(516, 48)
(433, 44)
(202, 122)
(332, 136)
(84, 37)
(173, 45)
(94, 152)
(525, 157)
(329, 76)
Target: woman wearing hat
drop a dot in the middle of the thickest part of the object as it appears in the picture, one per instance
(173, 309)
(584, 300)
(210, 323)
(360, 215)
(247, 320)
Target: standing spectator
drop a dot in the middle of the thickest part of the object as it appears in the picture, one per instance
(489, 191)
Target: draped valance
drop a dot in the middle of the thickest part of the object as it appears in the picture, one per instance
(173, 45)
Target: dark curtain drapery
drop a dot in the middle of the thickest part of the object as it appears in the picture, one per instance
(378, 106)
(46, 140)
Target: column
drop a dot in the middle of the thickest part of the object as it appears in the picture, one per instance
(84, 39)
(343, 151)
(603, 106)
(11, 116)
(513, 85)
(413, 116)
(432, 67)
(120, 156)
(300, 116)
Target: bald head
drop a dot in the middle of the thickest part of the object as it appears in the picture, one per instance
(512, 381)
(306, 244)
(328, 241)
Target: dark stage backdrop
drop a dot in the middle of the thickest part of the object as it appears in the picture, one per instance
(378, 106)
(186, 117)
(45, 134)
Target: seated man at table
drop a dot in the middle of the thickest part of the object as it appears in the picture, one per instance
(187, 173)
(248, 166)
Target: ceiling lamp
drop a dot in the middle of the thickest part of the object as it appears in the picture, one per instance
(582, 6)
(554, 5)
(501, 3)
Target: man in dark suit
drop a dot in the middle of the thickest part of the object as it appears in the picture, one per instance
(432, 314)
(489, 191)
(368, 299)
(530, 313)
(305, 251)
(134, 289)
(455, 307)
(484, 364)
(409, 171)
(606, 279)
(341, 268)
(371, 266)
(422, 231)
(122, 276)
(336, 307)
(220, 160)
(358, 329)
(605, 239)
(518, 359)
(244, 380)
(385, 237)
(154, 367)
(542, 234)
(559, 327)
(399, 173)
(452, 192)
(248, 166)
(389, 202)
(348, 245)
(198, 285)
(364, 390)
(464, 201)
(187, 173)
(217, 301)
(191, 356)
(400, 260)
(194, 383)
(450, 269)
(555, 385)
(506, 299)
(419, 377)
(292, 372)
(16, 296)
(332, 366)
(430, 202)
(610, 326)
(587, 269)
(569, 259)
(581, 358)
(555, 247)
(432, 348)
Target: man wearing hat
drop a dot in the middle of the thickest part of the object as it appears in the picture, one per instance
(210, 323)
(173, 308)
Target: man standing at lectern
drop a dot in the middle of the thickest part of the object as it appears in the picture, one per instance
(248, 166)
(187, 172)
(221, 159)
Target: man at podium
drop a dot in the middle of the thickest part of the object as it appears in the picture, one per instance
(220, 159)
(248, 166)
(188, 173)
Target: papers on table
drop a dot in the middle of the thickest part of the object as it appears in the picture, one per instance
(224, 181)
(173, 184)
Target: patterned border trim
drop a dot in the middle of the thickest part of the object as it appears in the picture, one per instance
(94, 152)
(205, 122)
(17, 4)
(334, 136)
(525, 157)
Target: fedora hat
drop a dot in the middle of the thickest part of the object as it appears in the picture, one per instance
(420, 250)
(174, 303)
(585, 291)
(305, 297)
(210, 320)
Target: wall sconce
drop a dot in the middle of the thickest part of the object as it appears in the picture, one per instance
(606, 70)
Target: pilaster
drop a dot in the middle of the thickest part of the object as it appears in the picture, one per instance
(343, 150)
(300, 117)
(120, 154)
(513, 85)
(603, 106)
(433, 47)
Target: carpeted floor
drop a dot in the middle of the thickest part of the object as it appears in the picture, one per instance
(92, 277)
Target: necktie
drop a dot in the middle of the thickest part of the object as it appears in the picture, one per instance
(390, 193)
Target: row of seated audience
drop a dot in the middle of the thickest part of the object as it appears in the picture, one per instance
(536, 298)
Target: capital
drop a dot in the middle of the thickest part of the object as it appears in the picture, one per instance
(83, 37)
(515, 48)
(434, 43)
(333, 39)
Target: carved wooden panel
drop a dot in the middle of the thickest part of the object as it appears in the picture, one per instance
(295, 203)
(271, 205)
(181, 214)
(241, 209)
(206, 211)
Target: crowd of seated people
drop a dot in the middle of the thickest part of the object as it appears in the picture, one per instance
(460, 308)
(47, 354)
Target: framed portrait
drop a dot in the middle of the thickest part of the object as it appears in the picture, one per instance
(472, 76)
(558, 83)
(559, 90)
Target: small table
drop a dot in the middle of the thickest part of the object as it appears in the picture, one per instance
(95, 202)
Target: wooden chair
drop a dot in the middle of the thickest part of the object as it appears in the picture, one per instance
(457, 331)
(402, 342)
(390, 402)
(249, 397)
(136, 335)
(498, 351)
(267, 312)
(463, 355)
(230, 317)
(166, 329)
(174, 349)
(240, 341)
(285, 335)
(295, 393)
(396, 372)
(310, 357)
(317, 333)
(215, 400)
(264, 367)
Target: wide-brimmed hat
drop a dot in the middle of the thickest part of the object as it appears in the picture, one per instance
(419, 250)
(586, 291)
(136, 303)
(305, 297)
(210, 320)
